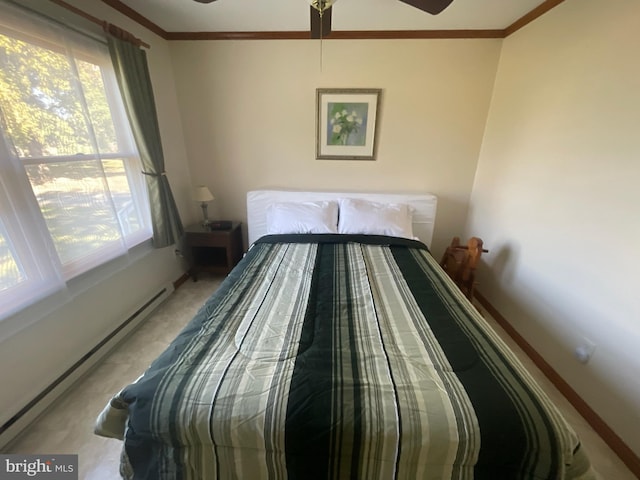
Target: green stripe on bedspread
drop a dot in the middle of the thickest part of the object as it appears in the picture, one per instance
(325, 358)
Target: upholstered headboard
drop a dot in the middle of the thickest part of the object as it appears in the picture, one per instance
(424, 207)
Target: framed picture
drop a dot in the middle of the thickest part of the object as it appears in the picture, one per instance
(347, 121)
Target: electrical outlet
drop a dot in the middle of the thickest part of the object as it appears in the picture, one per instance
(585, 350)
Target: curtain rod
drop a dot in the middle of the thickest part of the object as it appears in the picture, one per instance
(129, 37)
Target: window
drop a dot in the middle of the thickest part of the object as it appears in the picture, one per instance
(71, 189)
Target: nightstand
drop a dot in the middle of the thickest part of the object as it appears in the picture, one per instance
(216, 251)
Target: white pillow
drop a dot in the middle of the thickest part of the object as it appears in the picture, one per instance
(302, 217)
(372, 218)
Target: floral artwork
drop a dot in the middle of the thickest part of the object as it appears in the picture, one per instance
(347, 123)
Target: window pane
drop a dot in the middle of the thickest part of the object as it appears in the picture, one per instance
(98, 107)
(129, 215)
(75, 203)
(44, 115)
(72, 195)
(10, 273)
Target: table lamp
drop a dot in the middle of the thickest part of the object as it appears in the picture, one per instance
(203, 195)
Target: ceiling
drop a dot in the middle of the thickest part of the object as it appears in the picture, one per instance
(348, 15)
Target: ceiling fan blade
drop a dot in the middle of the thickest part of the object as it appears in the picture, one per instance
(433, 7)
(317, 23)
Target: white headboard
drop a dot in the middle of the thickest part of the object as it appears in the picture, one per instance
(258, 201)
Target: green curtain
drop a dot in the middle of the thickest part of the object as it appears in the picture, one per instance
(132, 72)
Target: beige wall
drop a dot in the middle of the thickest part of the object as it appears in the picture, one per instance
(556, 198)
(248, 110)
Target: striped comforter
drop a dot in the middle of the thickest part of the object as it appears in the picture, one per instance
(347, 358)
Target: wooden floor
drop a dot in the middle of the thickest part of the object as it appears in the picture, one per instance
(67, 426)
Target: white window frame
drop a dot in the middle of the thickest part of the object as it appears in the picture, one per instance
(25, 228)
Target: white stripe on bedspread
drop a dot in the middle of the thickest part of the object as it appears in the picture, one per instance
(242, 375)
(431, 399)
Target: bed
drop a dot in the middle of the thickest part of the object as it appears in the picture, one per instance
(338, 348)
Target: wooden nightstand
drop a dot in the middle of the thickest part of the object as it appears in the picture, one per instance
(216, 251)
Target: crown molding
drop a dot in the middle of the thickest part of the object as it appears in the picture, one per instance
(335, 35)
(338, 35)
(136, 17)
(531, 16)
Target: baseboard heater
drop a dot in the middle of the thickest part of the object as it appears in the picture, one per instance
(16, 424)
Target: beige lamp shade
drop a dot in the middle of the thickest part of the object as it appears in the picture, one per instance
(202, 194)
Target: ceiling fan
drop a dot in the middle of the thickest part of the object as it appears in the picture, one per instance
(320, 12)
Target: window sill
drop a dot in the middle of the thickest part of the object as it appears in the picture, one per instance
(36, 312)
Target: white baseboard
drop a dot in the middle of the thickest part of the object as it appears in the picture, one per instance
(16, 425)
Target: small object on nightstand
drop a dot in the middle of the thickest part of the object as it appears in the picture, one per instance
(219, 224)
(213, 250)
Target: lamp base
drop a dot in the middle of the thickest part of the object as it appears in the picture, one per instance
(205, 215)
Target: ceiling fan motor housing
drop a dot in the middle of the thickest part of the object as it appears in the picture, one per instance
(322, 5)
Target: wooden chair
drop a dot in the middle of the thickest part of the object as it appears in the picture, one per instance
(460, 262)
